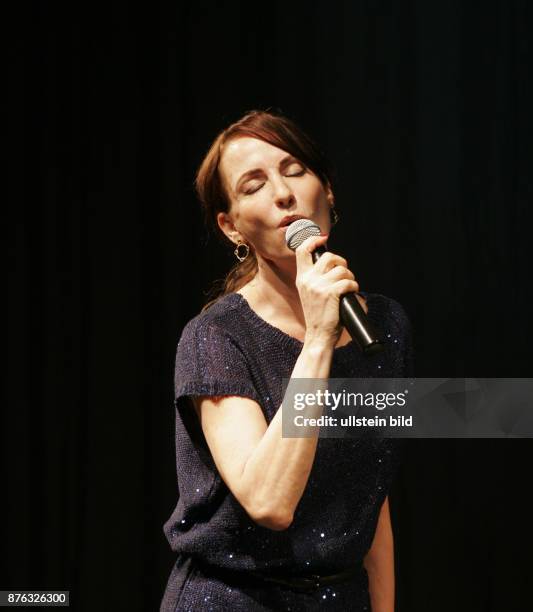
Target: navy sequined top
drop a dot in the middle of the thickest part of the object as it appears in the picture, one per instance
(229, 350)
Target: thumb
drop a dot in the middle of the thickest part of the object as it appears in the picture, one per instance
(303, 252)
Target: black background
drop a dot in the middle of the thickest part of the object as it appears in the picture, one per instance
(424, 108)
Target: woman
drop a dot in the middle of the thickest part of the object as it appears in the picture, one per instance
(265, 522)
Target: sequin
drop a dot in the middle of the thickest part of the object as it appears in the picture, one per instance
(229, 350)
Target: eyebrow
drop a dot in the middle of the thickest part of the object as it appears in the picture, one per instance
(250, 173)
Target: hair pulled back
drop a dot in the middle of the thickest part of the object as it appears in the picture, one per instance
(275, 129)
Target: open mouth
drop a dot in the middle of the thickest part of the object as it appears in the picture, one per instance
(288, 220)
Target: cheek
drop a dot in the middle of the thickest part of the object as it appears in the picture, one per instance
(256, 214)
(314, 192)
(254, 224)
(249, 215)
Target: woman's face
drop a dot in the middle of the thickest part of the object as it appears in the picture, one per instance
(265, 185)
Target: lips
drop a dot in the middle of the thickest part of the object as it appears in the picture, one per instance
(286, 221)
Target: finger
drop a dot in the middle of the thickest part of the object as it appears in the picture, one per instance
(328, 261)
(345, 285)
(338, 273)
(349, 286)
(304, 260)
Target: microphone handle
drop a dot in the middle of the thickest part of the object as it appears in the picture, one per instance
(354, 318)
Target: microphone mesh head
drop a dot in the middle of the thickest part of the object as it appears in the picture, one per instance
(298, 231)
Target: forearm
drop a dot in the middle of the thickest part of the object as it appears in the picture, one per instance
(278, 469)
(381, 584)
(379, 563)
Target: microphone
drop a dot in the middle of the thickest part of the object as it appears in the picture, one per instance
(352, 315)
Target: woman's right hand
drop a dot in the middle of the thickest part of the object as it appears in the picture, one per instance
(321, 286)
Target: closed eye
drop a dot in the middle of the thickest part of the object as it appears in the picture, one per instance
(297, 173)
(258, 187)
(250, 191)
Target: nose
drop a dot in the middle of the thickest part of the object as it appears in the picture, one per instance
(283, 195)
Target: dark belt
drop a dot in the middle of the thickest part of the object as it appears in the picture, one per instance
(302, 582)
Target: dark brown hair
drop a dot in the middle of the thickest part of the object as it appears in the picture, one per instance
(275, 129)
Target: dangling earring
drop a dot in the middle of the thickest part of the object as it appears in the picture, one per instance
(334, 216)
(239, 254)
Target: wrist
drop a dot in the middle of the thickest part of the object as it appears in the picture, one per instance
(318, 345)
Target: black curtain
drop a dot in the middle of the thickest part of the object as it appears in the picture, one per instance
(425, 110)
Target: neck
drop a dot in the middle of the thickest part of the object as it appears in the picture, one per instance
(274, 286)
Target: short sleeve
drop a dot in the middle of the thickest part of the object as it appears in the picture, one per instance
(210, 362)
(402, 338)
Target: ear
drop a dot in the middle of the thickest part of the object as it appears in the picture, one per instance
(226, 225)
(329, 195)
